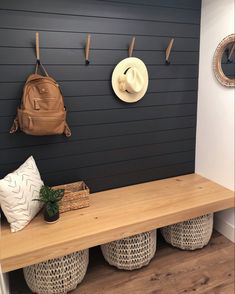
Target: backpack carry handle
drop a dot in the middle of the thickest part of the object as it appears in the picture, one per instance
(38, 63)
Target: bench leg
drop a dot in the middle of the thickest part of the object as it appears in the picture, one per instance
(4, 283)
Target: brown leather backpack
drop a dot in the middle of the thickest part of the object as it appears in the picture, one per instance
(42, 110)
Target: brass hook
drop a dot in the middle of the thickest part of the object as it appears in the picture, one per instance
(87, 49)
(168, 51)
(131, 48)
(37, 48)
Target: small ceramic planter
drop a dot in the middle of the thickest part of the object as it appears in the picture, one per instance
(51, 219)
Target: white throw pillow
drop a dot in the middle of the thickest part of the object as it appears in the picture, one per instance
(17, 191)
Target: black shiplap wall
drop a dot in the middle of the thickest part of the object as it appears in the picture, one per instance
(113, 143)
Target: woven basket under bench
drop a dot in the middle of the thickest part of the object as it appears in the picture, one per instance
(192, 234)
(132, 252)
(76, 195)
(58, 275)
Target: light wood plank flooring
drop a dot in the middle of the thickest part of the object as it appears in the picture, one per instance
(172, 271)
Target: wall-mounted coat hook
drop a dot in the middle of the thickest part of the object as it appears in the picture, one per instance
(37, 48)
(131, 47)
(38, 63)
(87, 49)
(168, 51)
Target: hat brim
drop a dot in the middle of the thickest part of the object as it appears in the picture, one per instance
(120, 68)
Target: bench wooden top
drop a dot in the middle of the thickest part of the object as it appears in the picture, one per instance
(113, 214)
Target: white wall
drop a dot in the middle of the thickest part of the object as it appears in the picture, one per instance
(215, 118)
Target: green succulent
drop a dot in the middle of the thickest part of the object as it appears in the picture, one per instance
(50, 199)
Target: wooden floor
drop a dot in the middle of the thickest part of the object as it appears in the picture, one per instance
(172, 271)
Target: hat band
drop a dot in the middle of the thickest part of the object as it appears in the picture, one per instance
(129, 84)
(122, 81)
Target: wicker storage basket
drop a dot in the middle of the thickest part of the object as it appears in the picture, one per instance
(76, 195)
(191, 234)
(59, 275)
(132, 252)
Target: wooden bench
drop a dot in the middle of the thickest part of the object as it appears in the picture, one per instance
(113, 214)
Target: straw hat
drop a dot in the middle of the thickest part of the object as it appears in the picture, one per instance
(130, 79)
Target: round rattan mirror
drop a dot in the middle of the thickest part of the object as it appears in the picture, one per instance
(224, 61)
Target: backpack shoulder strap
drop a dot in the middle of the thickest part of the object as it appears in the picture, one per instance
(67, 131)
(15, 125)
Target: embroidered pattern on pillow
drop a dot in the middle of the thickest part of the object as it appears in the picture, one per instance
(17, 191)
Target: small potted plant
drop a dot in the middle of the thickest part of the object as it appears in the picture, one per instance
(50, 199)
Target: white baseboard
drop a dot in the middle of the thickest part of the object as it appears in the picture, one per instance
(224, 228)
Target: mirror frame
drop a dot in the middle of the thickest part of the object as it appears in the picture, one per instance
(221, 77)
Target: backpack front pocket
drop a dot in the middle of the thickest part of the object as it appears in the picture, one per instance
(41, 124)
(47, 104)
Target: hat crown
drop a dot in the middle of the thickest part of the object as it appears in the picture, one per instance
(131, 81)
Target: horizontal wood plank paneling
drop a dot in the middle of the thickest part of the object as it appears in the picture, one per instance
(127, 176)
(52, 22)
(100, 87)
(19, 73)
(76, 56)
(106, 10)
(118, 115)
(101, 131)
(86, 103)
(185, 4)
(76, 40)
(139, 176)
(101, 170)
(113, 143)
(101, 144)
(87, 159)
(113, 168)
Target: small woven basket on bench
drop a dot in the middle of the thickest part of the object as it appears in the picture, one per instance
(132, 252)
(76, 195)
(191, 234)
(58, 275)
